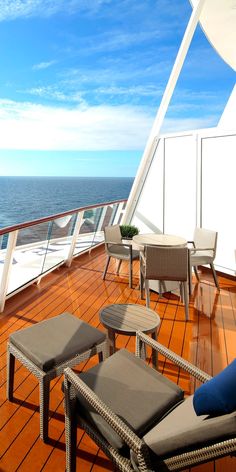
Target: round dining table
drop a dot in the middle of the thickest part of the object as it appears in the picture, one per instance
(159, 239)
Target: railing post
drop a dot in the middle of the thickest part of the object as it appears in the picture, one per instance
(119, 213)
(11, 244)
(74, 238)
(101, 219)
(113, 215)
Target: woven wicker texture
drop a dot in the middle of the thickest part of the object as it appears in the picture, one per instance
(44, 377)
(117, 249)
(138, 448)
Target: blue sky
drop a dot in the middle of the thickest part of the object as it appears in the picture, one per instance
(81, 81)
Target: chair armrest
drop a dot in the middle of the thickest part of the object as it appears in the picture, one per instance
(198, 249)
(73, 381)
(187, 366)
(191, 242)
(128, 245)
(201, 249)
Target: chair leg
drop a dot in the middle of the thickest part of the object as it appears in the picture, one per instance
(44, 392)
(215, 276)
(130, 273)
(141, 285)
(70, 430)
(190, 278)
(106, 267)
(186, 300)
(196, 273)
(103, 354)
(147, 292)
(118, 267)
(10, 374)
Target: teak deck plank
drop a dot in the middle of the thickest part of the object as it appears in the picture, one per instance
(207, 340)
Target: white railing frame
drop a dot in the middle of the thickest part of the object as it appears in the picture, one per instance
(77, 227)
(13, 231)
(11, 244)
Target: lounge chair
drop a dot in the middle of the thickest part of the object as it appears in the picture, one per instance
(139, 418)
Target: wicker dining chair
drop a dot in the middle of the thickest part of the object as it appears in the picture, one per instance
(119, 250)
(202, 251)
(47, 348)
(164, 264)
(139, 418)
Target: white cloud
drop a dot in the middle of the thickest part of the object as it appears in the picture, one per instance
(36, 127)
(130, 91)
(32, 126)
(117, 40)
(188, 124)
(43, 65)
(54, 93)
(12, 9)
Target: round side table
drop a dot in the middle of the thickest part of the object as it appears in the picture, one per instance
(127, 319)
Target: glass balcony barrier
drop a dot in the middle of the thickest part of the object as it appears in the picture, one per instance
(30, 250)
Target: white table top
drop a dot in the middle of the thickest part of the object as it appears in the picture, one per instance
(159, 239)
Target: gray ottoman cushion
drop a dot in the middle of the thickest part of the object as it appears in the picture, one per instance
(51, 342)
(183, 429)
(135, 392)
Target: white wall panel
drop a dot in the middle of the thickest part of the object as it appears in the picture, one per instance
(148, 215)
(180, 186)
(189, 185)
(218, 196)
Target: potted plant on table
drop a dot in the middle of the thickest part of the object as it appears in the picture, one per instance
(128, 231)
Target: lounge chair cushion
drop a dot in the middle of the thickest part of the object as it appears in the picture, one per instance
(183, 429)
(218, 395)
(132, 390)
(54, 341)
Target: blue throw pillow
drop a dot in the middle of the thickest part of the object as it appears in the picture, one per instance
(218, 395)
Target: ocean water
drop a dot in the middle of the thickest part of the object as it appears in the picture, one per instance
(28, 198)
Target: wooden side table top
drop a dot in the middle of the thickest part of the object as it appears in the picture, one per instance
(129, 318)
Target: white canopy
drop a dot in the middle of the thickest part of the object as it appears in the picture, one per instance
(218, 21)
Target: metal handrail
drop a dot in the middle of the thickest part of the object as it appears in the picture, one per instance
(23, 225)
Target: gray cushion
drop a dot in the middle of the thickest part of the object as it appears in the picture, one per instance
(134, 391)
(122, 252)
(51, 342)
(201, 258)
(182, 429)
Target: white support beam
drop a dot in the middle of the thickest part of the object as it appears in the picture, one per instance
(101, 219)
(74, 238)
(12, 238)
(155, 131)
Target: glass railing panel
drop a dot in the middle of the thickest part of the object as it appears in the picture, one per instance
(109, 214)
(29, 255)
(60, 233)
(28, 252)
(87, 233)
(94, 221)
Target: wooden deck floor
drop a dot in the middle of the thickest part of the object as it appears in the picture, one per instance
(208, 340)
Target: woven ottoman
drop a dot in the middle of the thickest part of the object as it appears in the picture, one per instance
(47, 348)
